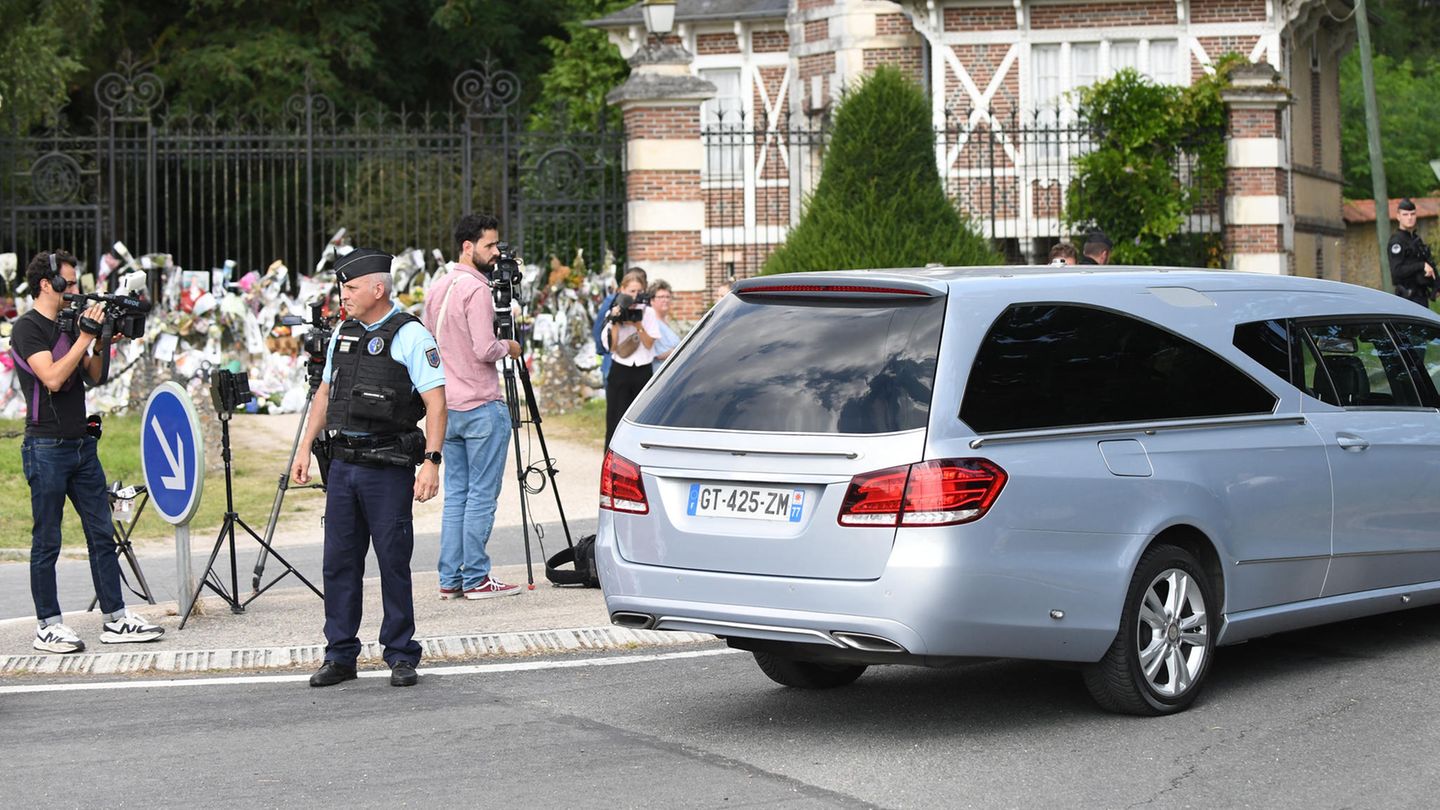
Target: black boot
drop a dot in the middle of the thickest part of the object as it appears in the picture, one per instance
(332, 673)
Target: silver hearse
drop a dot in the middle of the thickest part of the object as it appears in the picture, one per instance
(1117, 467)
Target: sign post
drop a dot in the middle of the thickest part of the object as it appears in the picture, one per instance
(172, 456)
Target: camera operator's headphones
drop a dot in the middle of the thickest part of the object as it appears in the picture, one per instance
(58, 283)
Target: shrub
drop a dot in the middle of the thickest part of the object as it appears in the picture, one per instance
(879, 202)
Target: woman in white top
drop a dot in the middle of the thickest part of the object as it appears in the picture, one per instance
(632, 350)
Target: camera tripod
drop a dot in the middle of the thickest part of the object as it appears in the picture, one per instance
(516, 375)
(209, 578)
(284, 486)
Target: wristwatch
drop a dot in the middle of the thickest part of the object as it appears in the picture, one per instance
(433, 455)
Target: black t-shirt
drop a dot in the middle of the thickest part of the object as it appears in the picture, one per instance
(57, 415)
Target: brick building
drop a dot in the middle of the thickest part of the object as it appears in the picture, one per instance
(774, 64)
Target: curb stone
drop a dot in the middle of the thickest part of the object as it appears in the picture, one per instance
(252, 658)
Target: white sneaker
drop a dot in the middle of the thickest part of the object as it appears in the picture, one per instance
(57, 638)
(129, 629)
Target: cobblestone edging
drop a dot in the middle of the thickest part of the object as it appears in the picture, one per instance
(445, 647)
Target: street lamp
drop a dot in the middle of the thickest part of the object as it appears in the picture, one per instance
(659, 16)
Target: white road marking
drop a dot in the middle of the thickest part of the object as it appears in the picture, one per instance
(472, 669)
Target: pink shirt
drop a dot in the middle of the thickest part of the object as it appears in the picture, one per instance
(468, 346)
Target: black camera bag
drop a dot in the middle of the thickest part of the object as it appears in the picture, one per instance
(583, 556)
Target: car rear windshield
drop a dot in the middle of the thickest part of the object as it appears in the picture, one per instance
(803, 365)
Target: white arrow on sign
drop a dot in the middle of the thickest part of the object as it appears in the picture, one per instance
(176, 458)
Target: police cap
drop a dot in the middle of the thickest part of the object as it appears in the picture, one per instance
(1406, 204)
(362, 262)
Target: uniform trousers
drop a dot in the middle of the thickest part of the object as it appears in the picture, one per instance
(365, 503)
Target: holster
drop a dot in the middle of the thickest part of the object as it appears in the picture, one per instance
(321, 449)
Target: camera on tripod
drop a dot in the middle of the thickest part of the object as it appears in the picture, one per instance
(505, 281)
(316, 342)
(228, 391)
(631, 309)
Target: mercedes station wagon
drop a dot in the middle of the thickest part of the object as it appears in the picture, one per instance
(1119, 468)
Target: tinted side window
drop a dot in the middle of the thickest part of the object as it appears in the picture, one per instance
(1052, 365)
(1422, 342)
(1268, 343)
(823, 365)
(1363, 365)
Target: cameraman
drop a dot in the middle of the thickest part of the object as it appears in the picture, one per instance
(460, 311)
(630, 335)
(59, 459)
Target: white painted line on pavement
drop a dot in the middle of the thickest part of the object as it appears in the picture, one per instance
(471, 669)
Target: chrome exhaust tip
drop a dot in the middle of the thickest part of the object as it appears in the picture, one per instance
(632, 621)
(867, 642)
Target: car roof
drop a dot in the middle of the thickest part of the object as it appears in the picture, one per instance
(1264, 295)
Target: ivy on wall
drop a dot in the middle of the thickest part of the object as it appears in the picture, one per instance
(1159, 155)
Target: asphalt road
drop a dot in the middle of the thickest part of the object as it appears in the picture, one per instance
(1344, 716)
(507, 547)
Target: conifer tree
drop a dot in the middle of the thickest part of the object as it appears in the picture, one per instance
(879, 202)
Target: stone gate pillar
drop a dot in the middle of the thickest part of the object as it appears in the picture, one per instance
(664, 156)
(1258, 231)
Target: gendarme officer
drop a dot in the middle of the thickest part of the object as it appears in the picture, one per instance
(1412, 269)
(382, 374)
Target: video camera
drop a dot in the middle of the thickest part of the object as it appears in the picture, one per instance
(317, 340)
(631, 309)
(125, 313)
(505, 287)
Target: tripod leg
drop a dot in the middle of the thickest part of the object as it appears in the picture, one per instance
(226, 530)
(139, 575)
(280, 491)
(550, 470)
(289, 569)
(512, 400)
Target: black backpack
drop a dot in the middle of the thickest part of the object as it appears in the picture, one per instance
(583, 556)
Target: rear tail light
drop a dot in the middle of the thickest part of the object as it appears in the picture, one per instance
(621, 489)
(928, 493)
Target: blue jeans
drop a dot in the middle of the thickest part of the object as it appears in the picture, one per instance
(57, 469)
(475, 445)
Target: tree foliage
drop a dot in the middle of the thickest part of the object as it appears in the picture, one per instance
(585, 67)
(1408, 97)
(41, 41)
(879, 202)
(1128, 184)
(250, 56)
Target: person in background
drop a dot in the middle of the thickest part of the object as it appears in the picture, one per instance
(1411, 272)
(1096, 249)
(1063, 254)
(631, 341)
(661, 296)
(597, 329)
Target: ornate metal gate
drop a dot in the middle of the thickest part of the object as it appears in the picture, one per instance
(211, 188)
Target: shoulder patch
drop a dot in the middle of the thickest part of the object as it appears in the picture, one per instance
(432, 356)
(1395, 247)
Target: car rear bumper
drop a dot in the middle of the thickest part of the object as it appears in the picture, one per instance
(987, 597)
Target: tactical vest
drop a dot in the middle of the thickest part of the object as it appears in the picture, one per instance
(369, 391)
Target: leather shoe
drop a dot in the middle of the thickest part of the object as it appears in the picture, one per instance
(332, 673)
(403, 674)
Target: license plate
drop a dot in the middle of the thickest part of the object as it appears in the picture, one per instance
(753, 503)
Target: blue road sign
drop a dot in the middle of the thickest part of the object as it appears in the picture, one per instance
(172, 453)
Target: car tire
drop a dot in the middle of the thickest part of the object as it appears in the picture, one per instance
(1161, 655)
(807, 674)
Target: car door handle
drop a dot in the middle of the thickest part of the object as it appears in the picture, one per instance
(1351, 442)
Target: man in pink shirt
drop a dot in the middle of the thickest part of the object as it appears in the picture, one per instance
(460, 312)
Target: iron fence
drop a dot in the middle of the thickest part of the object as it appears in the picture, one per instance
(1010, 178)
(211, 188)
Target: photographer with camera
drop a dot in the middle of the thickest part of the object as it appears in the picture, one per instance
(59, 454)
(382, 374)
(630, 334)
(460, 310)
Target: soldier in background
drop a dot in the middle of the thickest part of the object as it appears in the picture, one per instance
(1412, 271)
